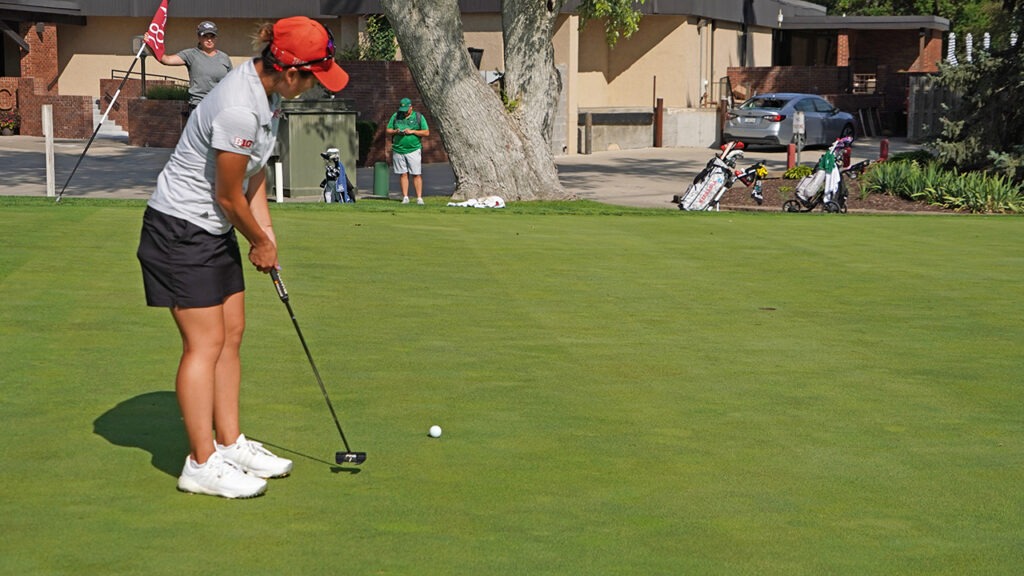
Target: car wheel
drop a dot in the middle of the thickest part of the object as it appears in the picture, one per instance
(847, 131)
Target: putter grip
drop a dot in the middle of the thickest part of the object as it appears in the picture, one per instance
(282, 293)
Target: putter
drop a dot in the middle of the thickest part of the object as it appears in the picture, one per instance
(348, 456)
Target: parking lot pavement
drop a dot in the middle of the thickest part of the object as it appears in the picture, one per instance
(646, 177)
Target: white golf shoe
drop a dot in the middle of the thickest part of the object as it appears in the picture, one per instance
(218, 477)
(254, 459)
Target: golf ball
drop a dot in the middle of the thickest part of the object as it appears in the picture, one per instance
(435, 431)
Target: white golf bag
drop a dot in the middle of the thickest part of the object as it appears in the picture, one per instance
(826, 174)
(711, 183)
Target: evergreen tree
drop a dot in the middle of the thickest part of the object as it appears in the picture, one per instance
(983, 131)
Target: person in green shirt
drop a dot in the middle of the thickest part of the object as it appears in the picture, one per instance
(406, 127)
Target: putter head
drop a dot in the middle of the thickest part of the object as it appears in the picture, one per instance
(350, 457)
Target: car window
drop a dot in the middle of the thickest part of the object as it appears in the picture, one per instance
(822, 105)
(772, 103)
(805, 105)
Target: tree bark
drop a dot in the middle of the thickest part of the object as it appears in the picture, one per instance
(531, 81)
(492, 151)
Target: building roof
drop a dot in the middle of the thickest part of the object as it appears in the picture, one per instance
(59, 11)
(796, 14)
(866, 23)
(204, 8)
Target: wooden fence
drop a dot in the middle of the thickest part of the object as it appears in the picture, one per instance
(927, 103)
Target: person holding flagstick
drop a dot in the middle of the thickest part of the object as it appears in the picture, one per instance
(206, 64)
(154, 40)
(214, 184)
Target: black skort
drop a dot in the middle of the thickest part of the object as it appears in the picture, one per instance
(184, 266)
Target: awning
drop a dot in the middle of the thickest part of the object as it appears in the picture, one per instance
(56, 11)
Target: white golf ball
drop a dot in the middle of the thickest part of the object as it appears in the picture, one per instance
(435, 431)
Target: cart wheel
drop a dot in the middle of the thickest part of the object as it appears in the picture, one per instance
(831, 207)
(791, 206)
(842, 208)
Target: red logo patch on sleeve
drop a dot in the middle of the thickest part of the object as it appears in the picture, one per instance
(242, 143)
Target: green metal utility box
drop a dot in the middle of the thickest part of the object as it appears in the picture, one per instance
(308, 128)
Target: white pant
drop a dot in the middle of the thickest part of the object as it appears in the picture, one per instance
(407, 163)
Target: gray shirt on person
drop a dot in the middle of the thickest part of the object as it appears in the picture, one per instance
(236, 116)
(204, 71)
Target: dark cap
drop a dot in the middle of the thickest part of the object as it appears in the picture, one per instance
(206, 27)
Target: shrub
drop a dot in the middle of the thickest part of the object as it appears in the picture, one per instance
(980, 192)
(798, 172)
(10, 120)
(377, 43)
(971, 191)
(920, 156)
(167, 92)
(365, 130)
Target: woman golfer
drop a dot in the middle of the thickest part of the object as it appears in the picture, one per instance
(214, 184)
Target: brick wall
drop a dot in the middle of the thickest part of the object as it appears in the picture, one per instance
(810, 79)
(41, 61)
(155, 123)
(375, 89)
(131, 89)
(72, 115)
(814, 79)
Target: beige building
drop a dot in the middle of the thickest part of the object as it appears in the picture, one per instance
(680, 56)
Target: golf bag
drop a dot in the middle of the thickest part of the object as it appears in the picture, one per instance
(719, 175)
(336, 185)
(824, 186)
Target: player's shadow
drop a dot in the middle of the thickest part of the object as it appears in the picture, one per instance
(152, 422)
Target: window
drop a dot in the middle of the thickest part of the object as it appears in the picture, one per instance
(771, 103)
(822, 105)
(805, 105)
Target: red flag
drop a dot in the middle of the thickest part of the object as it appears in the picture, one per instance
(155, 34)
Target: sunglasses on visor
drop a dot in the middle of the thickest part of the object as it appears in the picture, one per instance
(321, 63)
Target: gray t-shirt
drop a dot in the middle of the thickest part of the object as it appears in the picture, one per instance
(204, 71)
(236, 116)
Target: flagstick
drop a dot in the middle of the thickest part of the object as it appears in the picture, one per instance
(102, 120)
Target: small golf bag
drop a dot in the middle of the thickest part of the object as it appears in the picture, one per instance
(824, 186)
(336, 185)
(719, 175)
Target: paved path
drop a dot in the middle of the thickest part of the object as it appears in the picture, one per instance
(647, 177)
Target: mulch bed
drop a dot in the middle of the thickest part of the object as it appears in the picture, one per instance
(777, 190)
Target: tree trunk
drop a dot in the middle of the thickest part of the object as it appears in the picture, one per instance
(531, 81)
(491, 151)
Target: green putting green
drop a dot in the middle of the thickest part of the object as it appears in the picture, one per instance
(621, 392)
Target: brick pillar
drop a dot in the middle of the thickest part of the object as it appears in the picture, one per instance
(931, 53)
(843, 49)
(41, 61)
